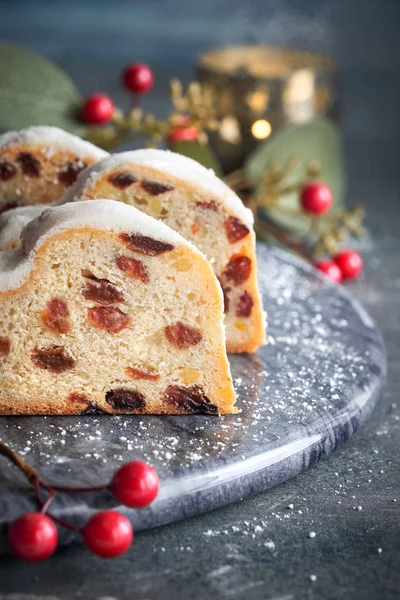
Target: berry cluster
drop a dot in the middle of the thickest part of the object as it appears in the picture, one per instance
(138, 79)
(316, 199)
(33, 537)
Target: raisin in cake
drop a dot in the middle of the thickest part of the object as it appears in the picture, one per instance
(193, 201)
(105, 308)
(38, 164)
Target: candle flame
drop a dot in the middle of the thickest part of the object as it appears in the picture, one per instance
(261, 129)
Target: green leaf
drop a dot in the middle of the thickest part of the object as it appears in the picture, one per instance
(35, 91)
(202, 154)
(318, 140)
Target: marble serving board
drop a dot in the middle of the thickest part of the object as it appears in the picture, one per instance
(300, 396)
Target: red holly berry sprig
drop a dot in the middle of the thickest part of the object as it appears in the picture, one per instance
(34, 537)
(193, 113)
(316, 199)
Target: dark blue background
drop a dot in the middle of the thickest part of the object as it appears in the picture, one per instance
(92, 40)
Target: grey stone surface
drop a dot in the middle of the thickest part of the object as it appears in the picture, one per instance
(363, 35)
(301, 396)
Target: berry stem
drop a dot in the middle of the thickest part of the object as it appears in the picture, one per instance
(135, 101)
(65, 488)
(46, 504)
(30, 473)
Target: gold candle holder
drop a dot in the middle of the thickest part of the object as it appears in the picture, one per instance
(259, 90)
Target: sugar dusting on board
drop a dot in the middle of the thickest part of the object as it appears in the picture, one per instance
(314, 375)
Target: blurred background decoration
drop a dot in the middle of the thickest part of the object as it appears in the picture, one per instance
(264, 117)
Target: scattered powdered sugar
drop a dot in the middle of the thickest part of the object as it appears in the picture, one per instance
(292, 394)
(312, 534)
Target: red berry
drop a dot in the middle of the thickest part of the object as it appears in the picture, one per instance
(33, 537)
(316, 198)
(135, 484)
(97, 109)
(330, 269)
(138, 78)
(183, 134)
(350, 263)
(108, 534)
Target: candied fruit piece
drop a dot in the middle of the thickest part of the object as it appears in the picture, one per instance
(237, 270)
(7, 170)
(224, 393)
(133, 268)
(144, 245)
(123, 399)
(52, 359)
(29, 164)
(154, 188)
(195, 228)
(69, 173)
(108, 318)
(5, 345)
(241, 326)
(55, 316)
(207, 204)
(182, 263)
(235, 230)
(102, 292)
(142, 372)
(244, 305)
(188, 375)
(189, 399)
(155, 206)
(121, 180)
(182, 336)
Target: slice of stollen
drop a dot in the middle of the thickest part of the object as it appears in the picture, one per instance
(106, 309)
(193, 201)
(38, 164)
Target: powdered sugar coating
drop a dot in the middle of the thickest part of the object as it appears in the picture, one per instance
(13, 221)
(53, 137)
(106, 215)
(168, 162)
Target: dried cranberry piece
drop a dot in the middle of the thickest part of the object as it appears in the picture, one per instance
(5, 345)
(133, 268)
(9, 206)
(123, 399)
(52, 359)
(142, 373)
(93, 409)
(190, 399)
(7, 170)
(237, 270)
(244, 305)
(69, 173)
(29, 164)
(121, 180)
(182, 336)
(154, 188)
(225, 291)
(145, 245)
(235, 230)
(55, 316)
(90, 407)
(108, 318)
(102, 292)
(208, 204)
(76, 397)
